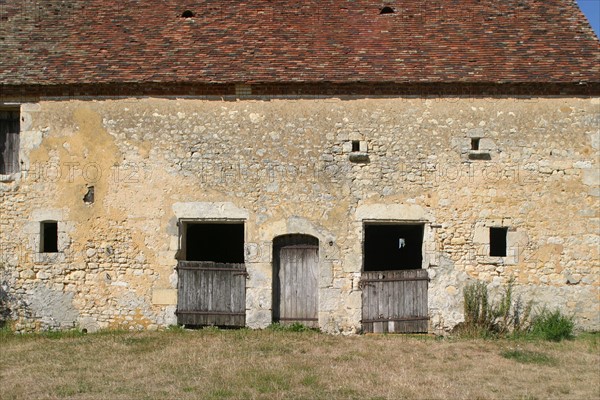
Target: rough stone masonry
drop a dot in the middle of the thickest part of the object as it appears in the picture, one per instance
(316, 166)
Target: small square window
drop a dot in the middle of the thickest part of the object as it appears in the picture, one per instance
(49, 237)
(475, 144)
(498, 242)
(355, 145)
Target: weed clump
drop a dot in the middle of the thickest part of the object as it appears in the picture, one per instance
(509, 316)
(487, 318)
(552, 326)
(4, 304)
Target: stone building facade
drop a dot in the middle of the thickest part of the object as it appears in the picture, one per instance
(471, 154)
(286, 166)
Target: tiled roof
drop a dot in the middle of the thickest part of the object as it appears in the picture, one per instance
(309, 41)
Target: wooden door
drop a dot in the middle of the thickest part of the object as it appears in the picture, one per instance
(395, 301)
(211, 293)
(298, 285)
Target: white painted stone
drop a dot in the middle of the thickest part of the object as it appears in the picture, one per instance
(48, 215)
(209, 211)
(392, 212)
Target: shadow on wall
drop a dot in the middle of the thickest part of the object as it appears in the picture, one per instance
(4, 304)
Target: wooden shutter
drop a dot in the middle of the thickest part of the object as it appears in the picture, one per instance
(9, 142)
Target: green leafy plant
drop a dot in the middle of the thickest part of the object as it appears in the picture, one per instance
(552, 325)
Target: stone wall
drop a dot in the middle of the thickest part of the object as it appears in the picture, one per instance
(288, 166)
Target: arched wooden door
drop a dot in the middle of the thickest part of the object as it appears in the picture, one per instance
(295, 280)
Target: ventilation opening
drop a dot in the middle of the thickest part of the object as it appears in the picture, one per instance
(498, 242)
(355, 145)
(10, 127)
(49, 237)
(217, 242)
(475, 144)
(187, 14)
(89, 196)
(393, 247)
(387, 10)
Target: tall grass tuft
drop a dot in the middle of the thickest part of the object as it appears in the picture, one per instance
(487, 318)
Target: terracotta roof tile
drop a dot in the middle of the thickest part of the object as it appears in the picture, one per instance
(261, 41)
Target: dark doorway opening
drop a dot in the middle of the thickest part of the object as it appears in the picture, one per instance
(498, 242)
(389, 247)
(217, 242)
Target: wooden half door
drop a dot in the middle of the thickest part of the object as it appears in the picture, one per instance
(211, 294)
(395, 301)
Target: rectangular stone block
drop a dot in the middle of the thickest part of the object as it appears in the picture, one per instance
(164, 296)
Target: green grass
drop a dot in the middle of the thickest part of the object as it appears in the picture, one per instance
(71, 389)
(294, 327)
(528, 357)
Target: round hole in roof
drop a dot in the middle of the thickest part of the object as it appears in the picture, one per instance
(187, 14)
(387, 10)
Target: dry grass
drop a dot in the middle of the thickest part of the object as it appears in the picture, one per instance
(212, 364)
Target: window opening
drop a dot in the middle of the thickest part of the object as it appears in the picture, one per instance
(49, 237)
(187, 14)
(355, 145)
(9, 141)
(393, 247)
(387, 10)
(475, 144)
(217, 242)
(498, 242)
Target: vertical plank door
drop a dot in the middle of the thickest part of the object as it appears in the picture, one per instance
(395, 301)
(211, 294)
(298, 285)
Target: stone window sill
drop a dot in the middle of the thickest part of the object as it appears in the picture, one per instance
(479, 155)
(5, 178)
(47, 258)
(507, 260)
(358, 156)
